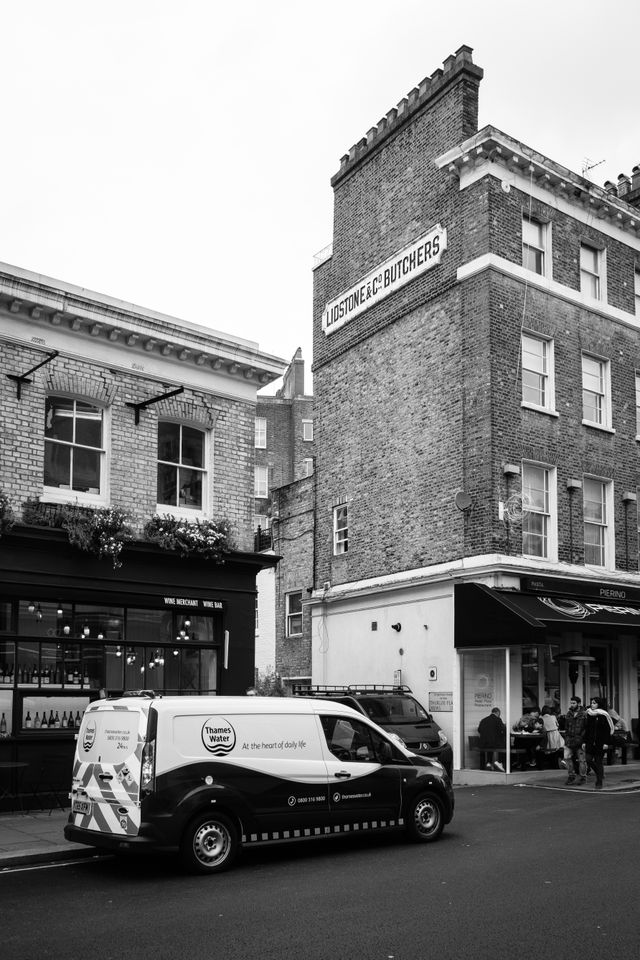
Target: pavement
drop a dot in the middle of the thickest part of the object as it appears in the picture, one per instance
(37, 837)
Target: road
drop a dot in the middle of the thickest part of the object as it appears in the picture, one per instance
(521, 873)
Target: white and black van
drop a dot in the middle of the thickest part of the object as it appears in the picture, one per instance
(207, 774)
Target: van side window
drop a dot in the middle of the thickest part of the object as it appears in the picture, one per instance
(350, 740)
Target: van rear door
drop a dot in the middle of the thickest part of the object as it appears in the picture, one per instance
(105, 792)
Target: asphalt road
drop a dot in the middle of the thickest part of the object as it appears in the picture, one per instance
(520, 873)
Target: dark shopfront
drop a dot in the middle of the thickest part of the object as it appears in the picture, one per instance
(511, 645)
(71, 626)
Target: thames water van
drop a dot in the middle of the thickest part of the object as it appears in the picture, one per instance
(205, 775)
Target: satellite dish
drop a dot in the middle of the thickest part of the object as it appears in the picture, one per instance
(463, 500)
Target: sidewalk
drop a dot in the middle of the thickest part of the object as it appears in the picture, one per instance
(37, 837)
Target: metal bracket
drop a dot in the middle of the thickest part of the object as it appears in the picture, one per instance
(147, 403)
(24, 377)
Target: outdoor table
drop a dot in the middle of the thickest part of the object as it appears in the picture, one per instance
(523, 740)
(14, 770)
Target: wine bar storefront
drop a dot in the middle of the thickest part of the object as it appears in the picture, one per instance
(73, 629)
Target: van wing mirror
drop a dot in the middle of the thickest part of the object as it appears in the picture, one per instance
(386, 753)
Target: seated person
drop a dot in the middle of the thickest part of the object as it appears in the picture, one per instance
(493, 737)
(530, 723)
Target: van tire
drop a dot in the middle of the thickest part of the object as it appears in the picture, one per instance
(425, 819)
(209, 844)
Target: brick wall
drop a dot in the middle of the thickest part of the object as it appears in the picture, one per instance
(293, 540)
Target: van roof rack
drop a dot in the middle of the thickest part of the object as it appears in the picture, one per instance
(353, 689)
(147, 694)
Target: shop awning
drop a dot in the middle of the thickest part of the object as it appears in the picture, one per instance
(487, 615)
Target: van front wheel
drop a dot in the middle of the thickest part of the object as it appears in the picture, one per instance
(209, 844)
(425, 819)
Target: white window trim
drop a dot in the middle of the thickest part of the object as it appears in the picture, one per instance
(307, 467)
(263, 433)
(602, 272)
(336, 551)
(550, 409)
(102, 499)
(636, 290)
(190, 513)
(552, 531)
(288, 614)
(637, 382)
(305, 424)
(606, 427)
(261, 496)
(547, 258)
(609, 536)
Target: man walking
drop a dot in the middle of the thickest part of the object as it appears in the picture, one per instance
(574, 723)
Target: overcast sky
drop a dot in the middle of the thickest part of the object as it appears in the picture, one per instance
(177, 155)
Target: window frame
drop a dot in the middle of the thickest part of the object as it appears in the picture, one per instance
(307, 428)
(550, 514)
(290, 616)
(308, 467)
(340, 529)
(637, 404)
(543, 249)
(606, 526)
(548, 374)
(260, 435)
(604, 393)
(52, 494)
(263, 472)
(636, 290)
(599, 275)
(181, 511)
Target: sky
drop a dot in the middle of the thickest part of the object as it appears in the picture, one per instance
(178, 155)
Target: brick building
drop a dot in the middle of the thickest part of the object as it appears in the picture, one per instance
(109, 406)
(477, 384)
(284, 521)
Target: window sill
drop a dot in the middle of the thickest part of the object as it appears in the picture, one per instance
(597, 426)
(180, 513)
(537, 409)
(58, 495)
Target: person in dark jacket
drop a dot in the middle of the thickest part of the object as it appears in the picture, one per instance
(493, 739)
(598, 734)
(574, 723)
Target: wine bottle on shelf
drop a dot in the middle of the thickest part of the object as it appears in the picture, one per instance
(46, 676)
(56, 720)
(70, 719)
(37, 723)
(69, 675)
(44, 724)
(76, 677)
(64, 718)
(34, 674)
(28, 722)
(85, 678)
(3, 726)
(51, 720)
(78, 719)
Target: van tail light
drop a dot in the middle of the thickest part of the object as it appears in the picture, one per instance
(148, 769)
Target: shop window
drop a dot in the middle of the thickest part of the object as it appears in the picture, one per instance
(294, 614)
(6, 616)
(537, 372)
(598, 535)
(596, 391)
(535, 239)
(181, 468)
(7, 662)
(483, 688)
(340, 529)
(539, 537)
(74, 451)
(149, 626)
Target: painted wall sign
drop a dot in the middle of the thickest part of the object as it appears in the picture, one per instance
(193, 603)
(441, 701)
(394, 273)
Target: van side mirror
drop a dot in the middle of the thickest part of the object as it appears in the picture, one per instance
(386, 753)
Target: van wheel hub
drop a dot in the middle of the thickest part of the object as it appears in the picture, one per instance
(211, 843)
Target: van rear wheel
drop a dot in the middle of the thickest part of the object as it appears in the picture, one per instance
(209, 844)
(425, 819)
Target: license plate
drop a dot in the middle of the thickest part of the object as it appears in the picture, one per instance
(82, 806)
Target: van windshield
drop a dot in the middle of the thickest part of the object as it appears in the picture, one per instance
(394, 710)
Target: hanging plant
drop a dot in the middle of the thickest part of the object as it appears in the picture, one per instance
(102, 532)
(205, 538)
(7, 516)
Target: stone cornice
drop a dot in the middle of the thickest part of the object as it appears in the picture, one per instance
(136, 330)
(494, 146)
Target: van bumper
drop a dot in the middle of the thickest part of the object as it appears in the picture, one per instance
(110, 841)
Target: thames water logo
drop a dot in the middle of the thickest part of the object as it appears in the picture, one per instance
(89, 737)
(218, 736)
